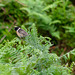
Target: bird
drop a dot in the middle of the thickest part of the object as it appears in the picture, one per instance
(20, 32)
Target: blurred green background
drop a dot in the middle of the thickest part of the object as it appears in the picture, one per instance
(52, 18)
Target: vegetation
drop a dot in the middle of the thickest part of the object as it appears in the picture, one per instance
(49, 50)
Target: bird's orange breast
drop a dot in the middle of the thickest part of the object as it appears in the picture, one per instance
(18, 34)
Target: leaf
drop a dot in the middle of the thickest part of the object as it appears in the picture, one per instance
(69, 29)
(52, 5)
(26, 9)
(56, 34)
(55, 21)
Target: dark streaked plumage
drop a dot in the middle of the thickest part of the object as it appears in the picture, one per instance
(20, 32)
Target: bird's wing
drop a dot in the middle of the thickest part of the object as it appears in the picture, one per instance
(21, 31)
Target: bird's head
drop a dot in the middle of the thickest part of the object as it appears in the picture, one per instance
(16, 28)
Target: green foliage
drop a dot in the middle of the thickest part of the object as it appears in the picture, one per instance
(68, 56)
(53, 18)
(19, 57)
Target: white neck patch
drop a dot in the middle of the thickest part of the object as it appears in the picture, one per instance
(18, 29)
